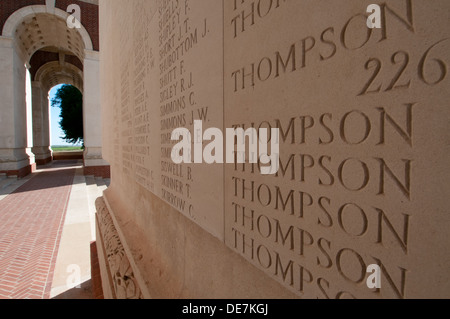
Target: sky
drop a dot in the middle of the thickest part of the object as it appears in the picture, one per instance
(55, 112)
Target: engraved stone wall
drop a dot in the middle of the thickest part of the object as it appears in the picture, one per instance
(162, 87)
(363, 118)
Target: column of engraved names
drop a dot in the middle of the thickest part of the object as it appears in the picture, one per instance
(270, 218)
(116, 134)
(171, 103)
(177, 97)
(126, 111)
(141, 112)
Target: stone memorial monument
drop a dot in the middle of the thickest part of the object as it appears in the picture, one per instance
(358, 206)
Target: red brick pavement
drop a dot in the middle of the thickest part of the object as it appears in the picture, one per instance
(31, 223)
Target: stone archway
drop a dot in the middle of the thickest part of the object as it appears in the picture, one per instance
(44, 79)
(58, 72)
(37, 51)
(39, 26)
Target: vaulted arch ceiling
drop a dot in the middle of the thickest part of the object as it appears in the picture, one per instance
(54, 51)
(57, 72)
(45, 30)
(37, 26)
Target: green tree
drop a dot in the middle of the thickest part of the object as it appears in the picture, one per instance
(70, 100)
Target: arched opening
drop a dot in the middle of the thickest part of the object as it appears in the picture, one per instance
(42, 51)
(62, 134)
(37, 26)
(49, 75)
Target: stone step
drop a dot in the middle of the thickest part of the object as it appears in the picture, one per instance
(5, 182)
(11, 184)
(100, 182)
(90, 180)
(96, 186)
(101, 189)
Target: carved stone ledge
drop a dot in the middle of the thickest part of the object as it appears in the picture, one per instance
(120, 273)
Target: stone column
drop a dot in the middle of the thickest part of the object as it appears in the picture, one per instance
(14, 156)
(94, 164)
(41, 125)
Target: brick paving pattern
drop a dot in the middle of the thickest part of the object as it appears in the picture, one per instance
(31, 223)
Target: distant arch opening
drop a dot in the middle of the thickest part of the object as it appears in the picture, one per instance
(66, 122)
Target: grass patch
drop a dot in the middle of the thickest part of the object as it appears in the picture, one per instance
(66, 148)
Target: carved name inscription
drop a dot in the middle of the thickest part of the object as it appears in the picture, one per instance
(345, 196)
(188, 91)
(164, 86)
(362, 115)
